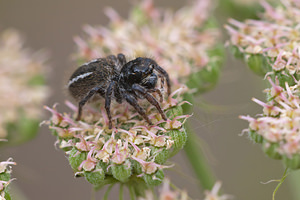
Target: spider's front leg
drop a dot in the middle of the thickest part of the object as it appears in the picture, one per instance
(139, 89)
(155, 90)
(133, 102)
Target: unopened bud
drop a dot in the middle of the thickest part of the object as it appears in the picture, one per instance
(95, 177)
(76, 158)
(122, 172)
(154, 179)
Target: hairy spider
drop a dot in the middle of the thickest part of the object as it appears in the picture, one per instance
(114, 77)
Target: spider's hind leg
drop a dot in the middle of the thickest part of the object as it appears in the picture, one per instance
(108, 94)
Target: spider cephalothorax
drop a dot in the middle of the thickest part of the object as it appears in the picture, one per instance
(114, 77)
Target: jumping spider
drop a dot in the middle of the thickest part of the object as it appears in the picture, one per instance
(114, 77)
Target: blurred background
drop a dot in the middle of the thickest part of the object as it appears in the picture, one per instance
(43, 172)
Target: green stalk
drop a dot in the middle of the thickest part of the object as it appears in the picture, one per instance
(107, 192)
(198, 161)
(131, 192)
(121, 192)
(285, 174)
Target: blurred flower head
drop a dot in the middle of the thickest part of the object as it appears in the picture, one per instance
(277, 128)
(21, 84)
(275, 36)
(166, 193)
(214, 193)
(181, 42)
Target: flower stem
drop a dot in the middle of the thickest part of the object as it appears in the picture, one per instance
(131, 192)
(285, 174)
(198, 160)
(121, 192)
(107, 192)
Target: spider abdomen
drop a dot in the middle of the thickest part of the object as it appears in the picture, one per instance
(97, 73)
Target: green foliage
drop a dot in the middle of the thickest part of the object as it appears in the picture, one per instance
(22, 130)
(238, 9)
(37, 80)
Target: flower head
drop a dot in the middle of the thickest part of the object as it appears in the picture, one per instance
(22, 85)
(274, 36)
(278, 126)
(131, 149)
